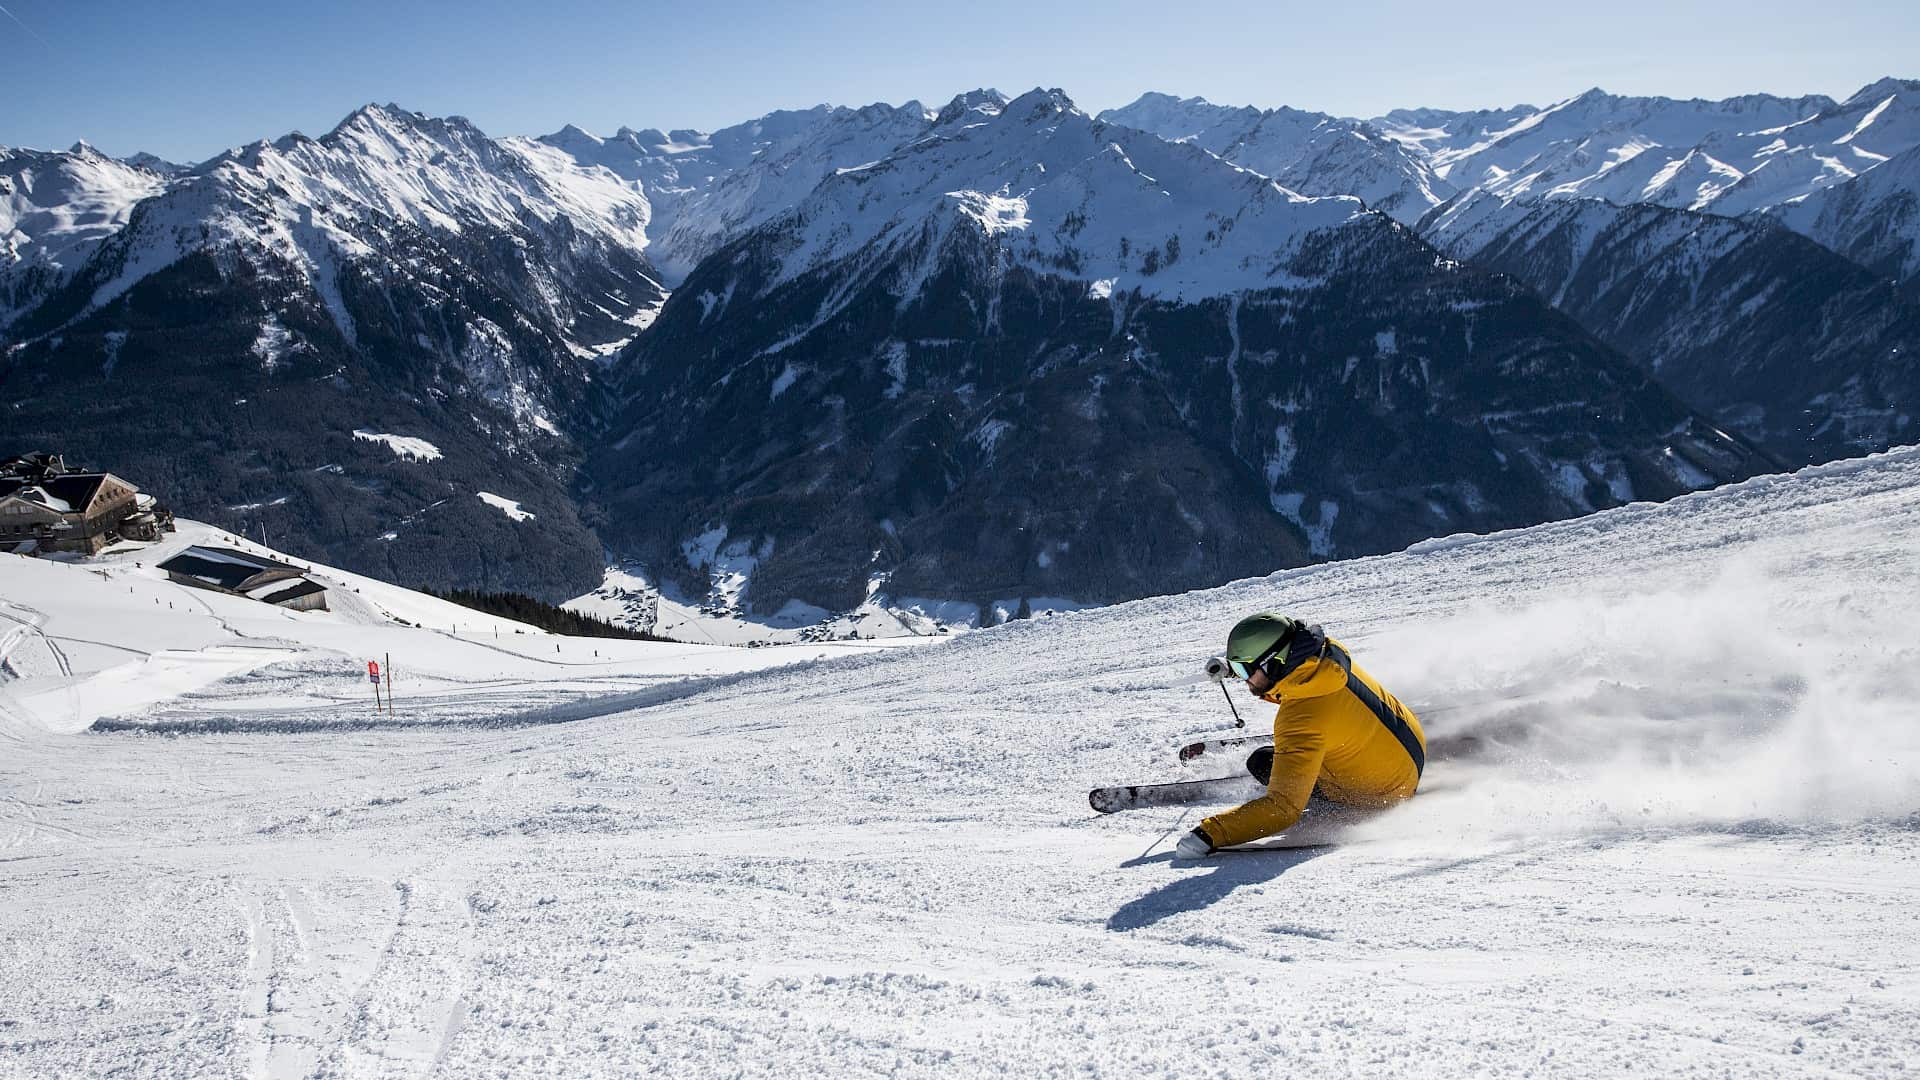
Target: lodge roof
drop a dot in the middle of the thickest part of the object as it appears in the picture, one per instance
(303, 587)
(228, 568)
(67, 493)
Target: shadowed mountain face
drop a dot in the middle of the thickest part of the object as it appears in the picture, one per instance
(401, 276)
(1873, 219)
(1780, 339)
(921, 378)
(164, 387)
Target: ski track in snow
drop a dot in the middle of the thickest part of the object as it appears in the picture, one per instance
(1670, 829)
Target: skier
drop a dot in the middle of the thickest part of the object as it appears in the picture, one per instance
(1338, 733)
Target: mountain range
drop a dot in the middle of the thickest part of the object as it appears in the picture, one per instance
(998, 352)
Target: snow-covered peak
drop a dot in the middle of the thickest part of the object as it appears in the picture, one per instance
(1179, 119)
(675, 167)
(1875, 92)
(440, 173)
(1067, 195)
(1428, 131)
(1472, 215)
(703, 188)
(1597, 102)
(1597, 122)
(377, 121)
(1218, 129)
(577, 141)
(1039, 106)
(1309, 152)
(313, 204)
(971, 107)
(1873, 219)
(617, 154)
(155, 163)
(1689, 182)
(881, 111)
(390, 134)
(1727, 157)
(55, 208)
(1880, 121)
(723, 196)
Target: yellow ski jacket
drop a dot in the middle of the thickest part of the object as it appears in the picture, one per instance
(1337, 729)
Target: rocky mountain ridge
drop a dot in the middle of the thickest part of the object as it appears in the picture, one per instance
(1311, 153)
(265, 329)
(1036, 354)
(894, 331)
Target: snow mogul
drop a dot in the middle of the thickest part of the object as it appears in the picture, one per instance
(1338, 735)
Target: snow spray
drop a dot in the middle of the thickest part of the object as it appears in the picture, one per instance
(1755, 699)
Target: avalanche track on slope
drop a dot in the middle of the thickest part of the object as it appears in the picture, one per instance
(1672, 828)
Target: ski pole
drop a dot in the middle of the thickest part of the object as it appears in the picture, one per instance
(1237, 721)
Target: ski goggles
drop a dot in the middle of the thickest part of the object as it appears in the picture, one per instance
(1240, 669)
(1244, 669)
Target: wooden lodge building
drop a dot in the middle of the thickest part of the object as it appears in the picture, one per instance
(44, 507)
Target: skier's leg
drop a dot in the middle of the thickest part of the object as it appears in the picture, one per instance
(1324, 821)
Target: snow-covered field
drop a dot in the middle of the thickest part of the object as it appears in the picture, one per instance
(1670, 828)
(111, 641)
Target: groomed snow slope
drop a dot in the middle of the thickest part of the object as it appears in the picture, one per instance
(111, 641)
(1669, 829)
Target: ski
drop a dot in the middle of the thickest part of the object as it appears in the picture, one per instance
(1109, 800)
(1206, 747)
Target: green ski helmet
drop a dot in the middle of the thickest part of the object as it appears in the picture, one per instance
(1257, 637)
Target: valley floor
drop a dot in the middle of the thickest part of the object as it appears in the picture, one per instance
(1670, 827)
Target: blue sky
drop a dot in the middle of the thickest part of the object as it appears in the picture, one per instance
(187, 79)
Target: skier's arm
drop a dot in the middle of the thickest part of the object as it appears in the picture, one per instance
(1298, 749)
